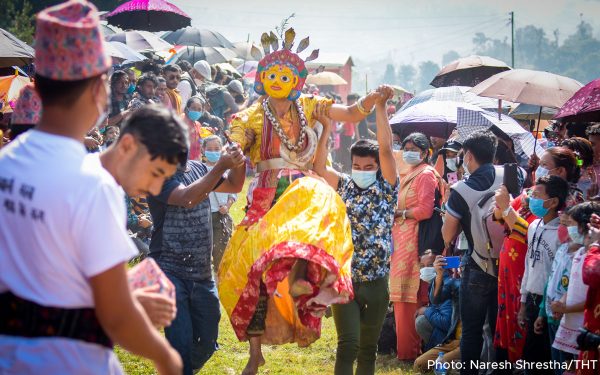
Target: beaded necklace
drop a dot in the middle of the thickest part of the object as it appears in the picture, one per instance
(278, 129)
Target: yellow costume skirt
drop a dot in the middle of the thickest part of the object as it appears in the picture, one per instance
(307, 221)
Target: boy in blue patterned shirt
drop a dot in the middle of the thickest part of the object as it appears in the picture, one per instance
(370, 194)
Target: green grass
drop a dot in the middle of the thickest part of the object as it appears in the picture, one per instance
(287, 359)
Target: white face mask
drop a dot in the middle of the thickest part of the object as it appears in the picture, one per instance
(452, 164)
(467, 171)
(427, 274)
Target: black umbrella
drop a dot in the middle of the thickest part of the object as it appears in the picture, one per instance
(191, 36)
(468, 71)
(14, 51)
(148, 15)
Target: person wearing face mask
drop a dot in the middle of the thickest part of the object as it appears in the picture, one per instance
(370, 194)
(444, 295)
(556, 287)
(420, 191)
(571, 306)
(448, 165)
(547, 199)
(433, 320)
(562, 162)
(220, 203)
(67, 211)
(192, 113)
(479, 283)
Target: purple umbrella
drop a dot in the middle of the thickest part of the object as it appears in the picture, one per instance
(148, 15)
(584, 105)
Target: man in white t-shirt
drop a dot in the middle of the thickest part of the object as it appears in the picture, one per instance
(64, 296)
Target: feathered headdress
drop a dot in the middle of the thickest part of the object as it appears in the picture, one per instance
(286, 57)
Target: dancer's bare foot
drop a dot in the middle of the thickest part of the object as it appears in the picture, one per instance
(253, 364)
(300, 287)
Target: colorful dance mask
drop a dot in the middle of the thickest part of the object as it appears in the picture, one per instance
(281, 74)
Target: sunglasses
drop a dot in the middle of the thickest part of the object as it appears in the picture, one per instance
(174, 78)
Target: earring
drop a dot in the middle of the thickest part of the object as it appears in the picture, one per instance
(259, 88)
(294, 94)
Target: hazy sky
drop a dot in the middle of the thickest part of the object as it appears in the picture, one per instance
(408, 31)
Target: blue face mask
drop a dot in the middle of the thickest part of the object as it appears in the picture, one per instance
(396, 146)
(131, 88)
(412, 157)
(536, 206)
(212, 156)
(364, 179)
(194, 115)
(575, 235)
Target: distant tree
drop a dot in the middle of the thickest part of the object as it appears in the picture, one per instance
(449, 57)
(427, 70)
(389, 77)
(578, 56)
(407, 76)
(18, 19)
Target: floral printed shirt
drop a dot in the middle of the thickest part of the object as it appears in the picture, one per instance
(371, 214)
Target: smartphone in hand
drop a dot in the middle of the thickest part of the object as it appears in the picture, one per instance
(511, 179)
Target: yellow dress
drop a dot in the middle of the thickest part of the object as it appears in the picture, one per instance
(291, 215)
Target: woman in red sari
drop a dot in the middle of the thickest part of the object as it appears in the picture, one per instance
(510, 337)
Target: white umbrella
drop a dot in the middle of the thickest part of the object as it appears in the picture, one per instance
(248, 51)
(128, 55)
(529, 87)
(325, 78)
(140, 40)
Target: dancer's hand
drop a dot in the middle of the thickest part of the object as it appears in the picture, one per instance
(160, 309)
(232, 157)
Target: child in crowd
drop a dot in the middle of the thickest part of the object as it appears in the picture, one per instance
(571, 305)
(547, 198)
(556, 288)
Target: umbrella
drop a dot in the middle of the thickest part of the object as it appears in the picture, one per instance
(531, 112)
(227, 67)
(469, 121)
(529, 87)
(10, 87)
(148, 15)
(192, 36)
(247, 67)
(140, 41)
(584, 105)
(127, 54)
(13, 51)
(433, 118)
(107, 30)
(468, 71)
(213, 55)
(248, 51)
(455, 94)
(325, 78)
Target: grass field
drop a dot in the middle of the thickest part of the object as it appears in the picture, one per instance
(317, 359)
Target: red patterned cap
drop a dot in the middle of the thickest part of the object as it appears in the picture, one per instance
(68, 42)
(28, 108)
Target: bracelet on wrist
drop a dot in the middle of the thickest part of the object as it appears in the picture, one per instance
(361, 108)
